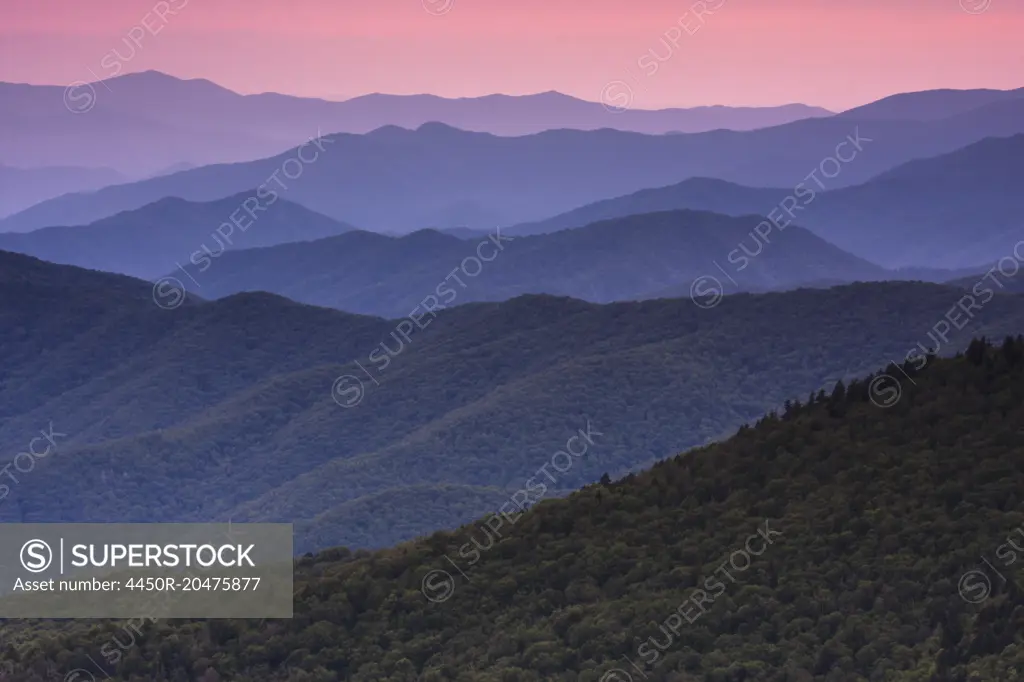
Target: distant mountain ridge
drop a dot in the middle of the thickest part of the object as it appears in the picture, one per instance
(527, 114)
(930, 105)
(956, 210)
(398, 180)
(165, 120)
(152, 240)
(629, 258)
(698, 194)
(21, 188)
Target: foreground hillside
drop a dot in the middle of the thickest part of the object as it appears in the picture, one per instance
(829, 544)
(253, 407)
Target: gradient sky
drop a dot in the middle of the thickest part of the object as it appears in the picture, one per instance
(834, 53)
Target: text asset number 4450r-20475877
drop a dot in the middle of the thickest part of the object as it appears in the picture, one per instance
(227, 584)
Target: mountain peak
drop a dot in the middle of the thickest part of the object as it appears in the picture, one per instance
(158, 79)
(438, 128)
(152, 74)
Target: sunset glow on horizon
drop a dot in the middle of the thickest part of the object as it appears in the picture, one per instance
(834, 54)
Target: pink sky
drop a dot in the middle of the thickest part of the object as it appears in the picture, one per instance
(834, 53)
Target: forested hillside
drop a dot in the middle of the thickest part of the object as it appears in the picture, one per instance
(242, 409)
(832, 542)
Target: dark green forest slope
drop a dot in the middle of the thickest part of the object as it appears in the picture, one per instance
(828, 544)
(224, 410)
